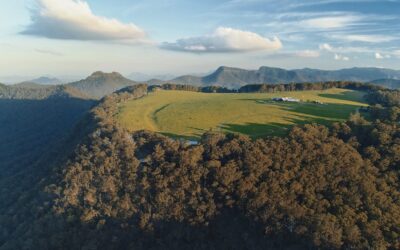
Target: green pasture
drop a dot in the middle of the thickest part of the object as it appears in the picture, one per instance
(190, 114)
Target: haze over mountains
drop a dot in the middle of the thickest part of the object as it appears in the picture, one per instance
(141, 77)
(100, 84)
(236, 77)
(47, 80)
(43, 80)
(94, 86)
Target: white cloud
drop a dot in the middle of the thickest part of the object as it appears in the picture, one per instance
(338, 51)
(225, 40)
(366, 38)
(330, 48)
(326, 47)
(331, 22)
(339, 57)
(380, 56)
(74, 20)
(308, 54)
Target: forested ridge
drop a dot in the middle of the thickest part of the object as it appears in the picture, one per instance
(316, 188)
(235, 77)
(272, 88)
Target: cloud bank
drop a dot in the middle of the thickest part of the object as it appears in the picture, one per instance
(339, 57)
(74, 20)
(380, 56)
(366, 38)
(331, 22)
(225, 40)
(307, 54)
(326, 47)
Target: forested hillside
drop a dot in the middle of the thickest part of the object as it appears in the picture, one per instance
(29, 91)
(34, 118)
(100, 84)
(35, 126)
(316, 188)
(235, 77)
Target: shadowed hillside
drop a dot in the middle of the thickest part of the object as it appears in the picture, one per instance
(30, 128)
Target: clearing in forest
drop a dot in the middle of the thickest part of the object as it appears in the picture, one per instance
(189, 114)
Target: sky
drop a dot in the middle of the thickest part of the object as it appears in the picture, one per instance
(70, 39)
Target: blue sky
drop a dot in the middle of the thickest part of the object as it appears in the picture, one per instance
(72, 38)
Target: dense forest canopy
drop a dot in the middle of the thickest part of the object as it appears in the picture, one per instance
(318, 187)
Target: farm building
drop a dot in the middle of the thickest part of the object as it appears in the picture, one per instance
(285, 99)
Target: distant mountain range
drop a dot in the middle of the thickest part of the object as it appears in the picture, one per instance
(47, 80)
(37, 82)
(100, 84)
(236, 77)
(140, 77)
(31, 85)
(95, 86)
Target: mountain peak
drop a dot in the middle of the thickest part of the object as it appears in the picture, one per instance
(225, 68)
(221, 68)
(265, 68)
(46, 80)
(100, 84)
(101, 74)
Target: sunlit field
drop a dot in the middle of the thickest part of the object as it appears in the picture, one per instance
(190, 114)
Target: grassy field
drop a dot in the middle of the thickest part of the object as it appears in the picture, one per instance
(190, 114)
